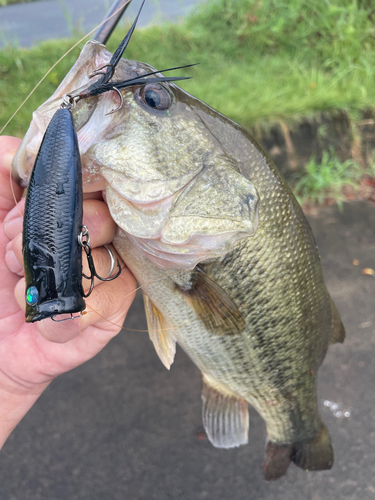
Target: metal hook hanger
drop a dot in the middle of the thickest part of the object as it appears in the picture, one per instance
(85, 244)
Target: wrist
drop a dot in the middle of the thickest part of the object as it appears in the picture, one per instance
(14, 404)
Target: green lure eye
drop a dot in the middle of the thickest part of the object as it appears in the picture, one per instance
(32, 295)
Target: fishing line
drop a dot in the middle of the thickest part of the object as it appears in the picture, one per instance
(45, 76)
(57, 62)
(127, 329)
(134, 291)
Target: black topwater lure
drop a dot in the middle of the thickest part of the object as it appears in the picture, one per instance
(52, 222)
(53, 235)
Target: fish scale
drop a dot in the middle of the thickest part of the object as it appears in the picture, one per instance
(281, 357)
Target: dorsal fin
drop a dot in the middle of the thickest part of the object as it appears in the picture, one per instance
(225, 416)
(212, 304)
(160, 333)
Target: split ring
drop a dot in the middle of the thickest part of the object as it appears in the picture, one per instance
(112, 257)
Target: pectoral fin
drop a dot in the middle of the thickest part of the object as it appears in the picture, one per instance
(160, 333)
(225, 417)
(213, 306)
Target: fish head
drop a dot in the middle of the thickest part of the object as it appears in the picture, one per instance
(168, 172)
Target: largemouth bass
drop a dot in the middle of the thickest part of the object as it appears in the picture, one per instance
(226, 258)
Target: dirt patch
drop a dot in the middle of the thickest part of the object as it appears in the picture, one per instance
(364, 191)
(291, 144)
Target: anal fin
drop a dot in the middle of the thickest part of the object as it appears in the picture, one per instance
(337, 328)
(160, 333)
(225, 417)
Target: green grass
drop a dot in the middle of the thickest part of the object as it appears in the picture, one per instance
(261, 60)
(326, 179)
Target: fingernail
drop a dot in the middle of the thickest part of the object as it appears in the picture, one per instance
(12, 263)
(13, 227)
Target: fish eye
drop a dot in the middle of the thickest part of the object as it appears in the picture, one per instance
(155, 96)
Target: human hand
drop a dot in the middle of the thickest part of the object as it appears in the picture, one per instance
(33, 354)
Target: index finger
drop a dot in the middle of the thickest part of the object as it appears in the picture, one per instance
(8, 197)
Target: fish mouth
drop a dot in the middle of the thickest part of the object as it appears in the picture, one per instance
(24, 160)
(92, 56)
(88, 134)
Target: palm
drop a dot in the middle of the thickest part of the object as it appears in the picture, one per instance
(27, 358)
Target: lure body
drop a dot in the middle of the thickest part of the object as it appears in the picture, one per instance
(52, 222)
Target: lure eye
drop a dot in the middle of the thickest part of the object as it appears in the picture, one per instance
(32, 295)
(155, 96)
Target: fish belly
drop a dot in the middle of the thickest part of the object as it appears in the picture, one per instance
(282, 391)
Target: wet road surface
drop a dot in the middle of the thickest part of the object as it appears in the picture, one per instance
(123, 427)
(25, 24)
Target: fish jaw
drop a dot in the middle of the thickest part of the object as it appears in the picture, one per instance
(201, 221)
(185, 257)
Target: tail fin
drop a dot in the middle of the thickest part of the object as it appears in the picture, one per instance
(315, 454)
(277, 460)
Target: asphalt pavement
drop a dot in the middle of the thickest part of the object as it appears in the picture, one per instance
(26, 24)
(122, 427)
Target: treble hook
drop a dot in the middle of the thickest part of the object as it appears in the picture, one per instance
(97, 71)
(90, 261)
(121, 102)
